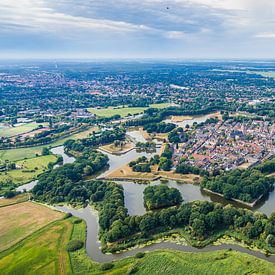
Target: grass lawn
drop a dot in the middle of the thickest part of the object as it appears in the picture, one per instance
(123, 112)
(20, 220)
(13, 131)
(29, 169)
(17, 199)
(22, 153)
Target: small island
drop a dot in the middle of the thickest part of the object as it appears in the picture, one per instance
(161, 196)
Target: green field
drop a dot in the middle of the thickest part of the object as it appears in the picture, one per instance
(41, 253)
(31, 152)
(27, 169)
(123, 112)
(13, 131)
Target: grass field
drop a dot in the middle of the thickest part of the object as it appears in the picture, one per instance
(123, 112)
(44, 252)
(17, 199)
(20, 220)
(13, 131)
(22, 153)
(28, 169)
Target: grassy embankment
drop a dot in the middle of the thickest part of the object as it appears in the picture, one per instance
(45, 252)
(31, 152)
(20, 129)
(123, 112)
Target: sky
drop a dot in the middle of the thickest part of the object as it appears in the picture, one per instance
(179, 29)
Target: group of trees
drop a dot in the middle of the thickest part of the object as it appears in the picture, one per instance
(267, 167)
(165, 161)
(64, 184)
(146, 146)
(246, 185)
(161, 196)
(184, 168)
(140, 165)
(178, 135)
(103, 137)
(161, 127)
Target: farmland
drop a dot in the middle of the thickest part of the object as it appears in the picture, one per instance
(27, 169)
(20, 220)
(123, 111)
(17, 130)
(49, 257)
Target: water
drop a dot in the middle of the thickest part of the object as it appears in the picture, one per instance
(198, 119)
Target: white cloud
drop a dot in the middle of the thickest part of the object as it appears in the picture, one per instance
(266, 35)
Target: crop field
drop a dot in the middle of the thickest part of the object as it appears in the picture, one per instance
(27, 169)
(44, 252)
(20, 220)
(13, 131)
(123, 112)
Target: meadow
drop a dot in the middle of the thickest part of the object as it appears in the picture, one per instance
(28, 169)
(20, 129)
(124, 111)
(20, 220)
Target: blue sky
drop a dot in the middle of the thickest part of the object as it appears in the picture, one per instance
(137, 29)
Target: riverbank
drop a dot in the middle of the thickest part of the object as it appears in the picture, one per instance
(247, 204)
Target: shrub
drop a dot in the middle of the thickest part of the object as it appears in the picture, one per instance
(107, 266)
(140, 255)
(74, 245)
(77, 221)
(67, 215)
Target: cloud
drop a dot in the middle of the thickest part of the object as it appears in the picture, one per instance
(265, 35)
(137, 26)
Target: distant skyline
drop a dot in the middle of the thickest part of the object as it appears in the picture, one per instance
(114, 29)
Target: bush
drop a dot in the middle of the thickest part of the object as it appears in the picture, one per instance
(74, 245)
(77, 221)
(132, 269)
(140, 255)
(107, 266)
(67, 215)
